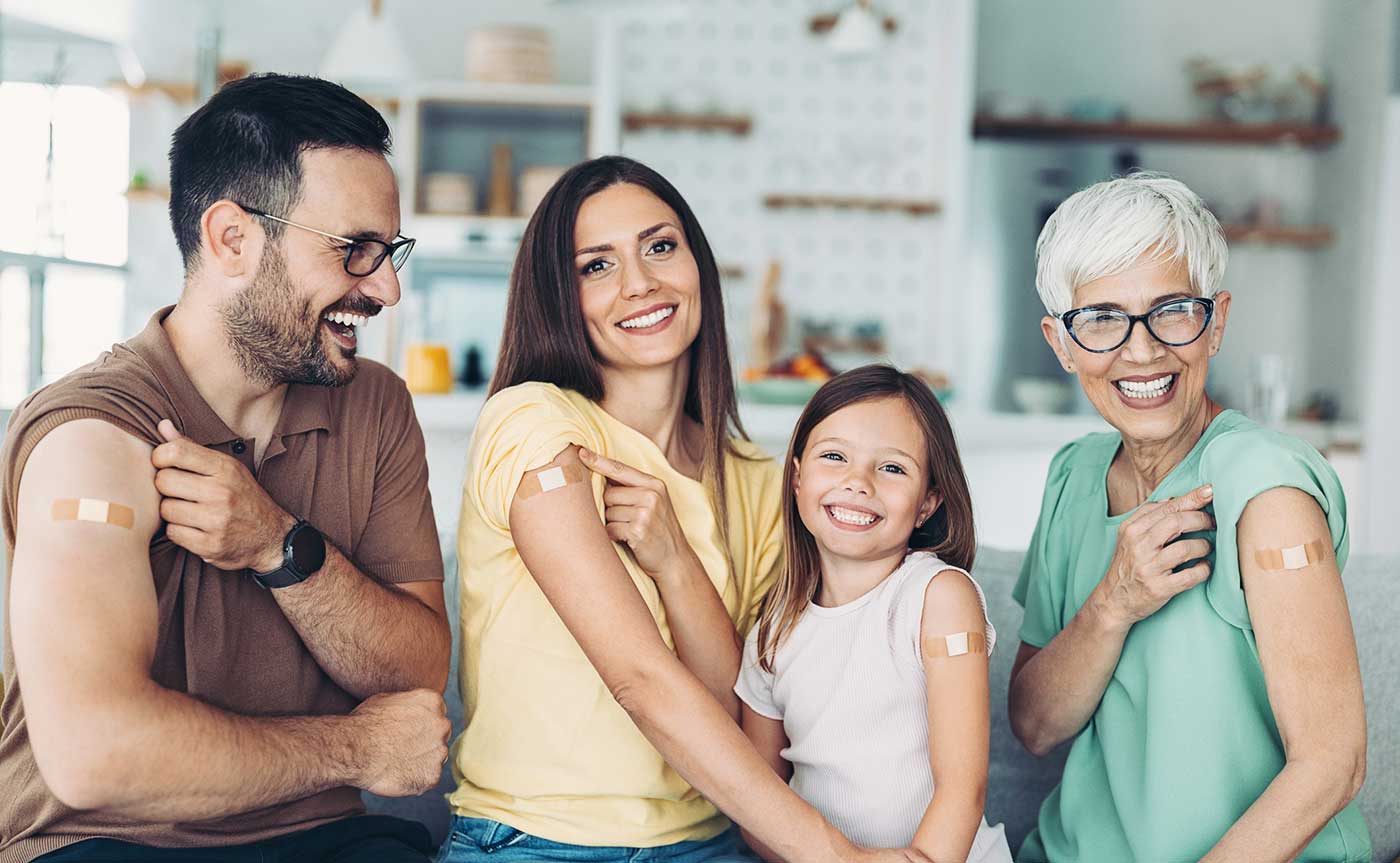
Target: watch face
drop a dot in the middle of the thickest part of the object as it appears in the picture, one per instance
(308, 550)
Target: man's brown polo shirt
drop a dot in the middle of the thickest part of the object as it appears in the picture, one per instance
(350, 460)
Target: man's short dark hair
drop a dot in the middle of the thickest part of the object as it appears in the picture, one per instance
(245, 145)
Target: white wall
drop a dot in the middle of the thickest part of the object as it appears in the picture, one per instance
(1358, 55)
(1380, 528)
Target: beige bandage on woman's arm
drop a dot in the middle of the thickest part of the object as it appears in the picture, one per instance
(1292, 557)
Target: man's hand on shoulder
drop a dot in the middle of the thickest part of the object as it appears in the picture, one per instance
(214, 507)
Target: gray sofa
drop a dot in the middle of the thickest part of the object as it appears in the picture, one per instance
(1018, 782)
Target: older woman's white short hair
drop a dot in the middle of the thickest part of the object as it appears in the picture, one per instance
(1105, 229)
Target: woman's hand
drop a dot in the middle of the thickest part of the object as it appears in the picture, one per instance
(1140, 578)
(638, 512)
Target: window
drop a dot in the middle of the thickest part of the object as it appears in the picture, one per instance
(63, 230)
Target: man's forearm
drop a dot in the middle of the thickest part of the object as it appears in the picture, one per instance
(161, 756)
(1057, 691)
(704, 635)
(1299, 802)
(368, 637)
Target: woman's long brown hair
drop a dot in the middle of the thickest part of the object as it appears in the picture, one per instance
(949, 533)
(545, 338)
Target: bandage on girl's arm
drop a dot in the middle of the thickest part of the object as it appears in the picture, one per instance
(954, 645)
(953, 650)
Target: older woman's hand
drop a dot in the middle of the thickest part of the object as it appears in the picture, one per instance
(1141, 577)
(639, 513)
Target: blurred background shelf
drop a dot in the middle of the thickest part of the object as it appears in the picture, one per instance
(1301, 236)
(636, 121)
(914, 207)
(1058, 129)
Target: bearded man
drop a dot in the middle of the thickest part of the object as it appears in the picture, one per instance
(226, 610)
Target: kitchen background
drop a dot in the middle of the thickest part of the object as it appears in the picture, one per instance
(872, 178)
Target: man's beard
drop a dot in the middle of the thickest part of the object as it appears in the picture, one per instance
(275, 335)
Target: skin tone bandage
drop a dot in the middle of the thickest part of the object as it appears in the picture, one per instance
(957, 644)
(550, 479)
(99, 511)
(1293, 557)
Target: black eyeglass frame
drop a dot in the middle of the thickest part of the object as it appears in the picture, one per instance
(1067, 319)
(389, 249)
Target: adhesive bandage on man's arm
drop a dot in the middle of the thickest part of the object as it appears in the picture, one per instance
(1292, 557)
(550, 479)
(90, 509)
(956, 644)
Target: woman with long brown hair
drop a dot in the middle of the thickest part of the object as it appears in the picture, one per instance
(617, 536)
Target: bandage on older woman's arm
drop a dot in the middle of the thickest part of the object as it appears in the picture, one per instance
(1290, 557)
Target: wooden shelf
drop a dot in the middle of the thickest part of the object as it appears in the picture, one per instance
(912, 206)
(1300, 236)
(1058, 129)
(180, 92)
(148, 193)
(825, 23)
(636, 121)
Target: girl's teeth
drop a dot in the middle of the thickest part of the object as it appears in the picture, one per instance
(850, 517)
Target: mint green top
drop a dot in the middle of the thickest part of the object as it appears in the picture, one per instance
(1184, 739)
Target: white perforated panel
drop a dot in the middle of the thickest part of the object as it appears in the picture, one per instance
(880, 127)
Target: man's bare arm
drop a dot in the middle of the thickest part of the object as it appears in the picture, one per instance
(105, 736)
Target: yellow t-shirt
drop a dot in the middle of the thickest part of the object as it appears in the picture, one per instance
(546, 749)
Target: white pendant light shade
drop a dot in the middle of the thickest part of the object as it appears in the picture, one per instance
(367, 53)
(858, 32)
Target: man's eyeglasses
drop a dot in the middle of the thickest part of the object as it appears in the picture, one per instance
(1175, 322)
(362, 257)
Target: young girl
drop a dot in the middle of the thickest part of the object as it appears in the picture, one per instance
(865, 681)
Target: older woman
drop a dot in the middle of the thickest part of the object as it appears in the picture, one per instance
(1185, 620)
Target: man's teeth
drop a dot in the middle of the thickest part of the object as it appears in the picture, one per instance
(347, 320)
(1146, 389)
(650, 320)
(850, 516)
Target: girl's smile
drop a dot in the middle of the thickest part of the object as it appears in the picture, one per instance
(862, 487)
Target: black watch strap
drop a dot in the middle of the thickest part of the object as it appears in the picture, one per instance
(303, 553)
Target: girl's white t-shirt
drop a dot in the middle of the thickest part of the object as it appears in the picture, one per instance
(848, 685)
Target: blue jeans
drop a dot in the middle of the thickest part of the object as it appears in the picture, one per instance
(479, 840)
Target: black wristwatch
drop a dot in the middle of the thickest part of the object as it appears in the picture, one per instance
(303, 552)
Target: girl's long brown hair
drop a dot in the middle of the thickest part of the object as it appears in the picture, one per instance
(948, 533)
(545, 339)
